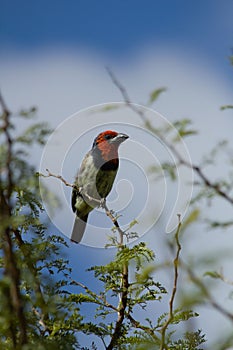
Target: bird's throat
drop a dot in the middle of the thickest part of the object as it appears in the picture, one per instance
(105, 156)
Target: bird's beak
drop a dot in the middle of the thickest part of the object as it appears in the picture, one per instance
(119, 138)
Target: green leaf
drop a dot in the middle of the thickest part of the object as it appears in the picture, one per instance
(110, 107)
(222, 108)
(145, 274)
(28, 113)
(166, 168)
(183, 315)
(81, 298)
(183, 129)
(36, 133)
(213, 274)
(193, 216)
(155, 94)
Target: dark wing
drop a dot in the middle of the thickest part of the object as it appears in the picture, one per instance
(79, 181)
(73, 199)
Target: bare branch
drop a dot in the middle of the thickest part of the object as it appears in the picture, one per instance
(174, 289)
(3, 105)
(58, 177)
(224, 279)
(115, 223)
(121, 308)
(125, 95)
(206, 293)
(212, 185)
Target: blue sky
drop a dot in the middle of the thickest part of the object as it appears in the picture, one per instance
(118, 27)
(53, 55)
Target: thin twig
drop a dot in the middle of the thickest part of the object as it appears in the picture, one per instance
(3, 105)
(125, 95)
(40, 321)
(99, 299)
(49, 174)
(224, 279)
(115, 223)
(206, 293)
(138, 325)
(174, 289)
(121, 308)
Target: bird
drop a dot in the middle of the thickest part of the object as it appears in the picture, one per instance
(95, 178)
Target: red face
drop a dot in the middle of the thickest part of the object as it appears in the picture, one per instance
(108, 143)
(105, 136)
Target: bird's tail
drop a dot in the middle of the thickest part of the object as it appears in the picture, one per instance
(78, 229)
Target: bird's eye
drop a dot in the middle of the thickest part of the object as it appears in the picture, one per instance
(107, 137)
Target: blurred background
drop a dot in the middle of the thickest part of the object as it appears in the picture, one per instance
(54, 55)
